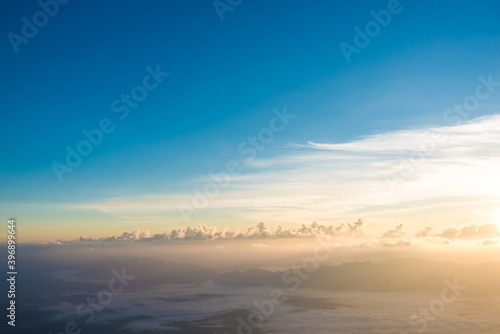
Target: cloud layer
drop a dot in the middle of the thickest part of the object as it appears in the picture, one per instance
(259, 231)
(487, 234)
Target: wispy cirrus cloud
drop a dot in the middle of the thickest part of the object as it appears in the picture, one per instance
(454, 177)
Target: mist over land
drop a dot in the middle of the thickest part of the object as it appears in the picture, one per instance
(321, 279)
(164, 297)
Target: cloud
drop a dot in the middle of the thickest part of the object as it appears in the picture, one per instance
(260, 231)
(469, 232)
(474, 232)
(259, 246)
(350, 234)
(426, 232)
(442, 174)
(397, 232)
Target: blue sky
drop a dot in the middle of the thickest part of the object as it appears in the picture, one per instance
(225, 79)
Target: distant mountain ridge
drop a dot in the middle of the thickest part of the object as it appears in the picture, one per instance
(394, 275)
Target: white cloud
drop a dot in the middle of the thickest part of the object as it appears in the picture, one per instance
(454, 180)
(350, 235)
(259, 231)
(396, 232)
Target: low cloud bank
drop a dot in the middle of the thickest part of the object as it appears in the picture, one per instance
(259, 231)
(485, 234)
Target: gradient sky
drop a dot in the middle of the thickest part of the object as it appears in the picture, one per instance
(225, 79)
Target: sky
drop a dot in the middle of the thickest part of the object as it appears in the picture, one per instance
(391, 133)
